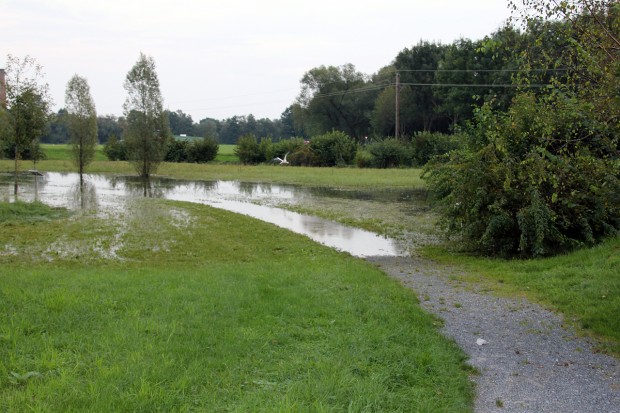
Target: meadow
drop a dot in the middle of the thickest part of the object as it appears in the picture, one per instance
(180, 307)
(274, 286)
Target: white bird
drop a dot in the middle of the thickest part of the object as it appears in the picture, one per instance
(282, 161)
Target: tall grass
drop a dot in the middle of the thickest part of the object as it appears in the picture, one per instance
(178, 307)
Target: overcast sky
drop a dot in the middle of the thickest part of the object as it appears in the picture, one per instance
(232, 57)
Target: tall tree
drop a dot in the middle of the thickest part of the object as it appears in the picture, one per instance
(81, 122)
(543, 177)
(418, 104)
(338, 98)
(147, 132)
(107, 126)
(28, 103)
(180, 122)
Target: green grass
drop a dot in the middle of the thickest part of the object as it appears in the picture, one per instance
(24, 212)
(583, 285)
(226, 154)
(208, 311)
(55, 152)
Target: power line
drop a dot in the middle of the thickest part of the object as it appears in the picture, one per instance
(481, 70)
(506, 85)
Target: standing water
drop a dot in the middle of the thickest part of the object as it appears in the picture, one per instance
(108, 194)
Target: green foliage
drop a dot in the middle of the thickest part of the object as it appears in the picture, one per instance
(527, 183)
(426, 145)
(389, 153)
(248, 150)
(202, 151)
(81, 122)
(147, 133)
(335, 98)
(177, 151)
(333, 149)
(543, 177)
(115, 150)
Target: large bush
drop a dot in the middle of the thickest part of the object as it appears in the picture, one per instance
(426, 145)
(543, 177)
(389, 153)
(115, 150)
(534, 181)
(202, 151)
(248, 150)
(333, 149)
(177, 151)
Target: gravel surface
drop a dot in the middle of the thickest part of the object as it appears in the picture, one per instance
(528, 360)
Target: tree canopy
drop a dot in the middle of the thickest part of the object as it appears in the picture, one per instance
(81, 122)
(543, 176)
(147, 131)
(28, 104)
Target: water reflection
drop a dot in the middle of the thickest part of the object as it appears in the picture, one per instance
(107, 195)
(84, 196)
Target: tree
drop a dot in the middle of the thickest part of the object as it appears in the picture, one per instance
(418, 104)
(108, 126)
(56, 131)
(207, 128)
(543, 177)
(28, 105)
(81, 122)
(147, 131)
(180, 122)
(339, 98)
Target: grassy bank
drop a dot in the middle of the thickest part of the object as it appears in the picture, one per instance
(207, 311)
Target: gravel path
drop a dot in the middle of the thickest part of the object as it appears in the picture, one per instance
(530, 362)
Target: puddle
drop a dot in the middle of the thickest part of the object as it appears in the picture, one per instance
(110, 195)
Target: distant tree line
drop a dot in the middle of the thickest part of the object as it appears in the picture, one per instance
(439, 87)
(225, 131)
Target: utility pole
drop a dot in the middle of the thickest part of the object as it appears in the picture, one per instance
(397, 108)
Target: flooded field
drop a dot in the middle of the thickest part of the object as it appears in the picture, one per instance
(106, 195)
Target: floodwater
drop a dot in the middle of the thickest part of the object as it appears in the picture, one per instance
(107, 195)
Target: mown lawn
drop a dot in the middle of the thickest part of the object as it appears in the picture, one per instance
(179, 307)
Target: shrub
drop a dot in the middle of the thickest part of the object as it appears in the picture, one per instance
(537, 180)
(333, 149)
(426, 145)
(248, 150)
(177, 151)
(363, 158)
(303, 156)
(389, 153)
(202, 151)
(115, 149)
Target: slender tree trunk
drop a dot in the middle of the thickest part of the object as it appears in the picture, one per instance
(16, 187)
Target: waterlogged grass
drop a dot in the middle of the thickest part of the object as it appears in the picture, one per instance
(204, 310)
(583, 285)
(23, 213)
